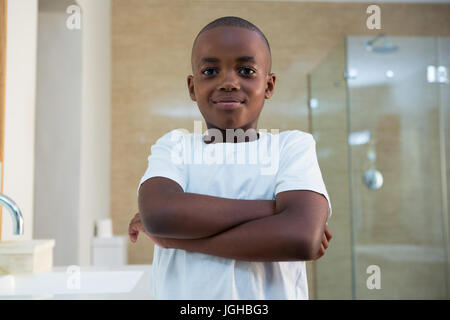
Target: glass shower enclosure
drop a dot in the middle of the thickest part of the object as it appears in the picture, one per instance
(379, 109)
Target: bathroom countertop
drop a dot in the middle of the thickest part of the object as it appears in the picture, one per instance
(139, 292)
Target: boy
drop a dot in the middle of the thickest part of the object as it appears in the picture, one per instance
(232, 231)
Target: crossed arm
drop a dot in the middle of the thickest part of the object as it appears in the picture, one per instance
(289, 228)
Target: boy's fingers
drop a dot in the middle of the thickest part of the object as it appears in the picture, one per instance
(328, 233)
(135, 227)
(131, 228)
(321, 251)
(132, 223)
(140, 227)
(324, 241)
(135, 219)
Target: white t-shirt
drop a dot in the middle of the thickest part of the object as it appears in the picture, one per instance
(255, 170)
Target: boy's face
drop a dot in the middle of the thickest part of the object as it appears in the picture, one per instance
(228, 78)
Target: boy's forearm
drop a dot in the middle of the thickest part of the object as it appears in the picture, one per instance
(274, 238)
(192, 216)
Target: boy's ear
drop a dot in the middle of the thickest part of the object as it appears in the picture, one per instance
(190, 83)
(270, 85)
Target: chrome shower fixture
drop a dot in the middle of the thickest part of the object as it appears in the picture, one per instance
(384, 47)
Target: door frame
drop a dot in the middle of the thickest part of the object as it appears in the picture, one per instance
(3, 24)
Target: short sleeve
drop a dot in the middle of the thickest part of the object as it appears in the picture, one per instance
(299, 168)
(165, 160)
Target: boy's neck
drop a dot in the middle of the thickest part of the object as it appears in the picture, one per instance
(248, 136)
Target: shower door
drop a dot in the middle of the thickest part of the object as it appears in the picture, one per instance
(397, 167)
(380, 114)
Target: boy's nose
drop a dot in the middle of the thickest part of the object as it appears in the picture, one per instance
(229, 87)
(229, 81)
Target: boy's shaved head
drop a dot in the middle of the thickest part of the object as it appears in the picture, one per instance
(231, 21)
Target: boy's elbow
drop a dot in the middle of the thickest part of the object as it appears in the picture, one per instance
(307, 248)
(154, 203)
(153, 222)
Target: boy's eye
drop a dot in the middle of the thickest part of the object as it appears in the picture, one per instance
(203, 72)
(244, 68)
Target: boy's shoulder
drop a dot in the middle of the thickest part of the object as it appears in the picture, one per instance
(295, 133)
(289, 137)
(173, 135)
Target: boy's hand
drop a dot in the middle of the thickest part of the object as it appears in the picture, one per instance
(136, 227)
(325, 240)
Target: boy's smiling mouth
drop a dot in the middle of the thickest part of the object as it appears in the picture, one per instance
(228, 103)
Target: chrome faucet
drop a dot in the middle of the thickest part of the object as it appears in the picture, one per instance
(16, 215)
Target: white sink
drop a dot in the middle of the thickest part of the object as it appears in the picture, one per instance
(69, 283)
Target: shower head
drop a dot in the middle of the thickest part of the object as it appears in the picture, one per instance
(385, 47)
